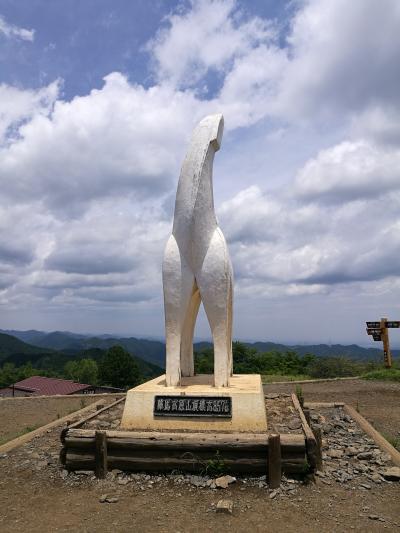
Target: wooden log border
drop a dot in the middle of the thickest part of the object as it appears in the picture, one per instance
(374, 434)
(79, 423)
(311, 442)
(194, 452)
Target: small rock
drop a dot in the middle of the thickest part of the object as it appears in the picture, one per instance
(335, 453)
(364, 456)
(123, 481)
(376, 478)
(224, 481)
(273, 494)
(365, 486)
(272, 396)
(351, 451)
(104, 498)
(225, 506)
(294, 424)
(373, 517)
(392, 474)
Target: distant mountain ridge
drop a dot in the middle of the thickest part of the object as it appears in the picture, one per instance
(18, 352)
(153, 351)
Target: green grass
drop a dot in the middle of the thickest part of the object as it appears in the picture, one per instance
(268, 378)
(384, 374)
(394, 441)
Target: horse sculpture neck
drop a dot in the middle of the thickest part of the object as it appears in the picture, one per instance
(194, 217)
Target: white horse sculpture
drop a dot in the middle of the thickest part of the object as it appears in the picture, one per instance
(196, 264)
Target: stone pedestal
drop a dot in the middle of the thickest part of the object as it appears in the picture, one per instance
(247, 405)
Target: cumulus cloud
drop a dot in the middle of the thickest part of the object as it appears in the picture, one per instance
(11, 31)
(208, 36)
(88, 184)
(342, 57)
(350, 171)
(290, 247)
(19, 106)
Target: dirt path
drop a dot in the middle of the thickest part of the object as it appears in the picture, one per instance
(313, 509)
(33, 497)
(377, 401)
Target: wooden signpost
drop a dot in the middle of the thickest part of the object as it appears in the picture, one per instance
(379, 332)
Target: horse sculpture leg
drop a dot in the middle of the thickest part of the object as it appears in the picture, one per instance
(178, 281)
(187, 361)
(215, 284)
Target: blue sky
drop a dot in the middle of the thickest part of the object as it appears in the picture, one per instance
(97, 103)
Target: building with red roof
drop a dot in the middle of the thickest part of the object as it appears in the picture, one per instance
(42, 386)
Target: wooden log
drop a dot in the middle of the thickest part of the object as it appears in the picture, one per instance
(311, 443)
(84, 440)
(317, 405)
(101, 454)
(80, 461)
(221, 438)
(375, 435)
(274, 461)
(306, 412)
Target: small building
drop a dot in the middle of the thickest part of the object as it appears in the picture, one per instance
(42, 386)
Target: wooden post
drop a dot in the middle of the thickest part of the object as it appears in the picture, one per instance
(306, 412)
(274, 461)
(101, 454)
(387, 356)
(318, 451)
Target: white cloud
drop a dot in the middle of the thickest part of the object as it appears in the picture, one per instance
(350, 171)
(343, 57)
(21, 105)
(12, 31)
(208, 36)
(121, 138)
(281, 246)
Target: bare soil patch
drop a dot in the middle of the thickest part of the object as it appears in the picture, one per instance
(21, 415)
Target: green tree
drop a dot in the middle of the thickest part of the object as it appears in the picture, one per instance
(333, 367)
(8, 375)
(82, 370)
(118, 369)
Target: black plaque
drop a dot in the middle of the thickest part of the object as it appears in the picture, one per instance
(201, 406)
(392, 324)
(377, 337)
(374, 331)
(373, 324)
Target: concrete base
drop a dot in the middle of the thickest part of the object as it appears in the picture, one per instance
(248, 405)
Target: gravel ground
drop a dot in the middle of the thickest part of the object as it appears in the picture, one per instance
(377, 401)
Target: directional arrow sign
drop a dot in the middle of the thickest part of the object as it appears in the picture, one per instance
(373, 325)
(393, 324)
